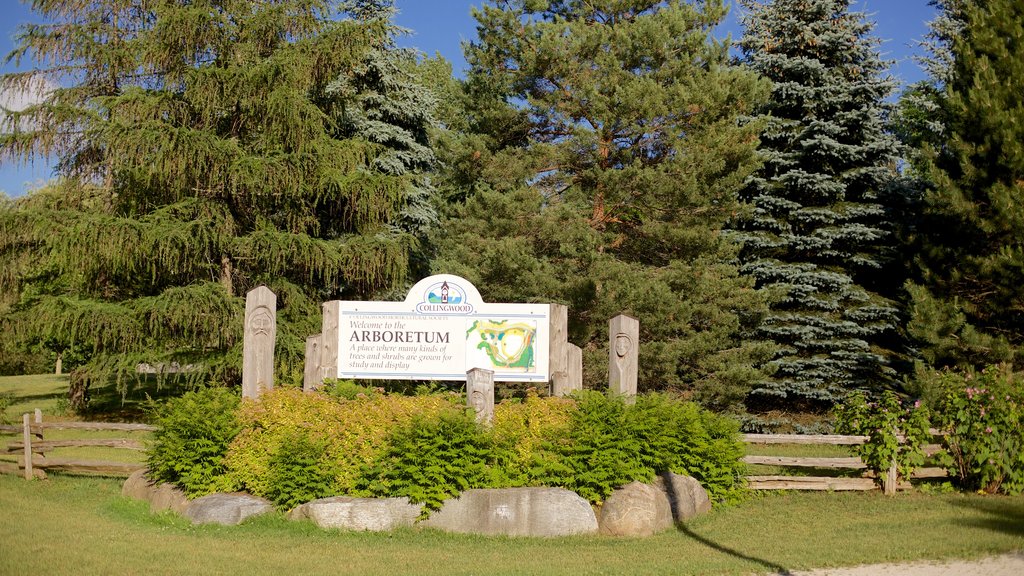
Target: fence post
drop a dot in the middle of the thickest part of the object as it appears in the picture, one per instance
(26, 428)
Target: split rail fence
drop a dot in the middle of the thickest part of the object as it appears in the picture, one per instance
(864, 482)
(33, 447)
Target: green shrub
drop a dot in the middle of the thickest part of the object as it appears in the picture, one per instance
(432, 459)
(193, 435)
(609, 443)
(883, 422)
(346, 389)
(982, 416)
(300, 470)
(598, 453)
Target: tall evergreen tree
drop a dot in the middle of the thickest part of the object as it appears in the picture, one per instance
(815, 234)
(602, 157)
(206, 148)
(968, 308)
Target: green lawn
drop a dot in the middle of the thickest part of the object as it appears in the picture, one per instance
(46, 392)
(83, 526)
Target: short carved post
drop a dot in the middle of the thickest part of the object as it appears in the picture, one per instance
(480, 394)
(311, 373)
(558, 343)
(39, 416)
(329, 340)
(891, 475)
(26, 436)
(258, 343)
(58, 369)
(575, 361)
(623, 355)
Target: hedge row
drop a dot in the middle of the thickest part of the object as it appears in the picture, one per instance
(292, 447)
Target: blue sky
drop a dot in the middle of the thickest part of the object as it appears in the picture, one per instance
(441, 26)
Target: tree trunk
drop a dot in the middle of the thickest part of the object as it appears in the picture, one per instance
(78, 391)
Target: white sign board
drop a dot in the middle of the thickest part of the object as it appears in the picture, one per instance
(442, 330)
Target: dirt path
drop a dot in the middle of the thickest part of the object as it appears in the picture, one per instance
(1005, 565)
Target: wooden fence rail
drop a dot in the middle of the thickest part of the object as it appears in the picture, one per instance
(865, 482)
(32, 463)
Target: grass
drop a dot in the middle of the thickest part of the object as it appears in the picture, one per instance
(47, 392)
(84, 526)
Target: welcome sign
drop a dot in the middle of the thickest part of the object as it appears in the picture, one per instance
(442, 330)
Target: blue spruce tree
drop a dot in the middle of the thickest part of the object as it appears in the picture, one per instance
(814, 234)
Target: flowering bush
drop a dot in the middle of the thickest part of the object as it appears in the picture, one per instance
(895, 433)
(983, 417)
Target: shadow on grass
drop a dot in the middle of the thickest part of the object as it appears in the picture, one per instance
(675, 502)
(1002, 514)
(775, 568)
(108, 403)
(41, 397)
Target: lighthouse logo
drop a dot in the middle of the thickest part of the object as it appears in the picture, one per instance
(444, 298)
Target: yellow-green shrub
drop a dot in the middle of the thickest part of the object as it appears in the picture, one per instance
(523, 432)
(349, 435)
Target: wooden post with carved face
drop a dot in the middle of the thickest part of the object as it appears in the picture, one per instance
(623, 355)
(258, 342)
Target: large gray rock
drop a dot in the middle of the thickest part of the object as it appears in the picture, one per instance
(226, 509)
(161, 496)
(636, 510)
(373, 514)
(687, 497)
(516, 512)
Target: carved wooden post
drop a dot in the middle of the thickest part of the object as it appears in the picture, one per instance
(575, 361)
(258, 342)
(26, 437)
(311, 379)
(58, 369)
(329, 343)
(558, 343)
(891, 480)
(480, 394)
(623, 354)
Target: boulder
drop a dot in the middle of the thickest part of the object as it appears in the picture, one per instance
(168, 497)
(516, 512)
(636, 509)
(226, 509)
(687, 497)
(373, 514)
(161, 496)
(137, 486)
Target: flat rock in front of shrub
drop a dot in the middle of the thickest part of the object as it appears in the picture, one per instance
(687, 497)
(373, 514)
(636, 509)
(516, 512)
(226, 509)
(161, 496)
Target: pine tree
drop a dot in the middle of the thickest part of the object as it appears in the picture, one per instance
(206, 148)
(815, 234)
(968, 306)
(600, 158)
